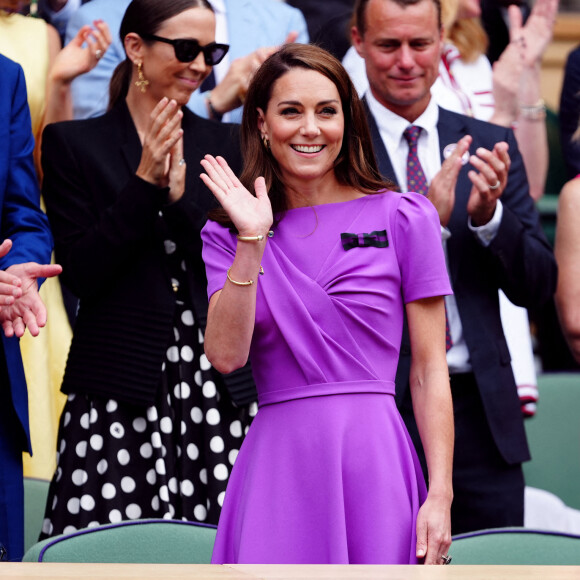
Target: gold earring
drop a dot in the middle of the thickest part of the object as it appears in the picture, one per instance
(266, 142)
(142, 82)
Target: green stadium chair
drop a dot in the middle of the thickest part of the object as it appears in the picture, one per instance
(147, 541)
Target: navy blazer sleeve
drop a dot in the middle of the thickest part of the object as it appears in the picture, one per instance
(527, 267)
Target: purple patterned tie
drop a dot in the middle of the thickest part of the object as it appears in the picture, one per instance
(417, 182)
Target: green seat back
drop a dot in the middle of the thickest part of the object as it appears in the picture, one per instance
(517, 546)
(135, 541)
(35, 493)
(554, 438)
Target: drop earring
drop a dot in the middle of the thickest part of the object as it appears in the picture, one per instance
(266, 142)
(142, 83)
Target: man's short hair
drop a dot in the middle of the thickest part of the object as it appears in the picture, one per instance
(359, 13)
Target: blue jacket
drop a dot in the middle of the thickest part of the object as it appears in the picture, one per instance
(21, 218)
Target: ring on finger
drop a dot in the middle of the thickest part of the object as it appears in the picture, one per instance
(446, 559)
(181, 162)
(98, 54)
(495, 185)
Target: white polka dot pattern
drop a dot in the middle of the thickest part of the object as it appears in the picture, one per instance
(171, 459)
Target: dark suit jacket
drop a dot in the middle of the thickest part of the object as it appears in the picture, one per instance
(21, 217)
(109, 228)
(570, 113)
(519, 261)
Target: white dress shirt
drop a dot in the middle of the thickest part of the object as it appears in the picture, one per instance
(391, 128)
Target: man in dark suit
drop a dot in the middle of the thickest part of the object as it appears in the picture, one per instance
(27, 241)
(492, 238)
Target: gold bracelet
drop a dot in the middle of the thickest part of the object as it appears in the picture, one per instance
(257, 238)
(248, 283)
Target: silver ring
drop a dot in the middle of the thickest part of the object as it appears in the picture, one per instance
(181, 162)
(446, 559)
(495, 185)
(98, 54)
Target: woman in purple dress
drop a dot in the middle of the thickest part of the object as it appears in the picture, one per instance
(327, 473)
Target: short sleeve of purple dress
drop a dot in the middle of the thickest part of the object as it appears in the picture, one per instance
(327, 472)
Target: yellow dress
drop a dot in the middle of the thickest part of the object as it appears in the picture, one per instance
(25, 40)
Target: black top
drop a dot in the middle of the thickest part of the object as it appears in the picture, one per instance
(109, 230)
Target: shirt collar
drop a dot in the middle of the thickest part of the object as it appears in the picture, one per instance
(394, 126)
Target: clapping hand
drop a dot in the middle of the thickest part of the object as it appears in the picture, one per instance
(251, 215)
(162, 161)
(22, 306)
(489, 181)
(442, 187)
(10, 285)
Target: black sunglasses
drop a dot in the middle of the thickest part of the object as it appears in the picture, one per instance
(187, 49)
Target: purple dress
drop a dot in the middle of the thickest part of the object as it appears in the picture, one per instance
(327, 472)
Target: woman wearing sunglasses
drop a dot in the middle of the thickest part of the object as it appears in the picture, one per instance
(148, 429)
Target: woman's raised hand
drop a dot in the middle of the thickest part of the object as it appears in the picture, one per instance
(160, 146)
(82, 53)
(252, 215)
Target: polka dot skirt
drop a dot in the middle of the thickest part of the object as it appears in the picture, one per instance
(117, 461)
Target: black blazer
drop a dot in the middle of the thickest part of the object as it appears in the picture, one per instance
(109, 227)
(519, 261)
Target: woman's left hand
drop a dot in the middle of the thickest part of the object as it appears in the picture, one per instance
(434, 530)
(163, 148)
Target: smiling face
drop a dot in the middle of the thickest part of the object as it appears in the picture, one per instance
(402, 48)
(167, 76)
(304, 123)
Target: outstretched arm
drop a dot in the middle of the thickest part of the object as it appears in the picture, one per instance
(429, 383)
(232, 310)
(78, 57)
(531, 130)
(517, 91)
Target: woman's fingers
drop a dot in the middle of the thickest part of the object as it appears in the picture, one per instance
(165, 130)
(228, 175)
(215, 173)
(260, 188)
